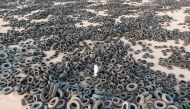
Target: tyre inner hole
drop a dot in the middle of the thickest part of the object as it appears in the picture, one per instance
(131, 86)
(160, 104)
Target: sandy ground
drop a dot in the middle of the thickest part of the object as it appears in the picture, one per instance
(86, 23)
(13, 100)
(9, 101)
(2, 27)
(157, 54)
(178, 19)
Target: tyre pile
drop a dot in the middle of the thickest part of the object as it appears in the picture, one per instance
(121, 82)
(178, 58)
